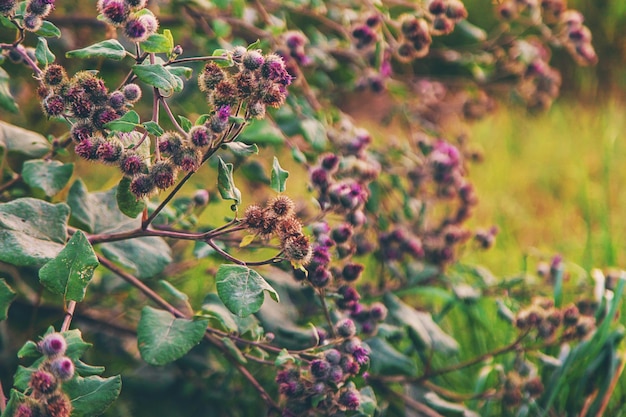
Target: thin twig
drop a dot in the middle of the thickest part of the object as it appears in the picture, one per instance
(322, 296)
(171, 116)
(11, 182)
(410, 402)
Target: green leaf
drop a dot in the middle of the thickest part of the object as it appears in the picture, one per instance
(368, 403)
(262, 132)
(23, 142)
(6, 296)
(42, 53)
(153, 128)
(127, 123)
(284, 357)
(315, 133)
(99, 213)
(241, 149)
(32, 231)
(48, 176)
(163, 338)
(184, 72)
(49, 30)
(219, 316)
(70, 272)
(234, 350)
(386, 360)
(279, 177)
(424, 332)
(242, 289)
(185, 123)
(157, 44)
(126, 201)
(110, 49)
(221, 28)
(87, 370)
(7, 101)
(155, 75)
(225, 182)
(15, 399)
(91, 396)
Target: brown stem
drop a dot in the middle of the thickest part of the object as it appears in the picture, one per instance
(609, 392)
(11, 182)
(321, 293)
(171, 117)
(237, 261)
(135, 233)
(423, 409)
(147, 291)
(69, 314)
(3, 399)
(195, 59)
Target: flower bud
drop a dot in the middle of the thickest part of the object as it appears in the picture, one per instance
(349, 399)
(163, 175)
(210, 77)
(59, 406)
(43, 382)
(53, 105)
(54, 75)
(114, 12)
(142, 185)
(333, 356)
(7, 7)
(32, 22)
(345, 328)
(40, 8)
(320, 277)
(62, 368)
(253, 60)
(88, 148)
(103, 116)
(131, 163)
(136, 30)
(187, 159)
(297, 248)
(378, 311)
(320, 368)
(117, 100)
(110, 151)
(352, 272)
(201, 198)
(132, 92)
(200, 136)
(136, 4)
(52, 345)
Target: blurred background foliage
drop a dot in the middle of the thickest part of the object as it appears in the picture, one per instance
(552, 183)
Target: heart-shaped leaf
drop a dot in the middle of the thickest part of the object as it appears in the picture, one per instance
(163, 338)
(111, 49)
(70, 272)
(49, 176)
(242, 289)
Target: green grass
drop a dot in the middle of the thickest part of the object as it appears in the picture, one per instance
(552, 184)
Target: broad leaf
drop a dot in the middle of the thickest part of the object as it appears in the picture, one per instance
(185, 123)
(127, 123)
(23, 142)
(7, 101)
(386, 360)
(219, 316)
(70, 272)
(153, 128)
(278, 178)
(48, 176)
(6, 296)
(32, 231)
(126, 201)
(163, 338)
(99, 213)
(242, 289)
(315, 133)
(184, 72)
(422, 329)
(42, 53)
(49, 30)
(111, 49)
(242, 149)
(262, 132)
(225, 182)
(91, 396)
(155, 75)
(157, 43)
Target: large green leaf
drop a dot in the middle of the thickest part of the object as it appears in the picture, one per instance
(111, 49)
(279, 177)
(226, 183)
(32, 231)
(42, 53)
(48, 176)
(157, 43)
(126, 201)
(163, 338)
(386, 360)
(6, 296)
(99, 213)
(70, 272)
(49, 30)
(24, 142)
(155, 75)
(91, 396)
(242, 289)
(262, 132)
(219, 316)
(423, 330)
(7, 101)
